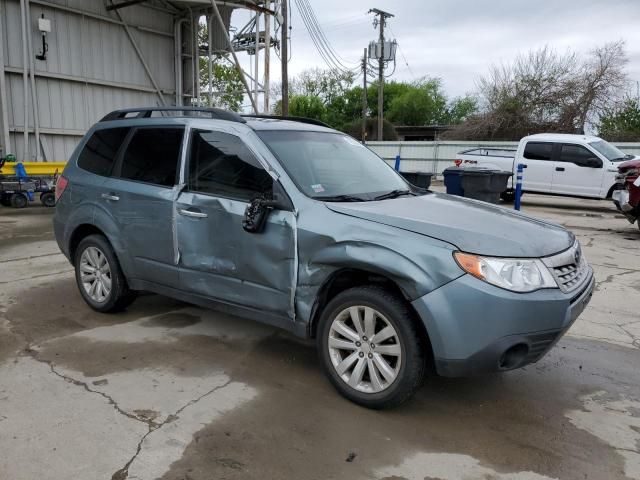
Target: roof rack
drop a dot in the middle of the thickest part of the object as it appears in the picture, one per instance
(311, 121)
(147, 112)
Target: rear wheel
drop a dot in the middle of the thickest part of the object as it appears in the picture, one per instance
(48, 199)
(99, 276)
(19, 200)
(5, 200)
(370, 347)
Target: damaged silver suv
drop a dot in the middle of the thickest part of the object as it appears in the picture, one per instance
(294, 224)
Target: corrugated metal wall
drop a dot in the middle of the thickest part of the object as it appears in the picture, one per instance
(434, 157)
(92, 68)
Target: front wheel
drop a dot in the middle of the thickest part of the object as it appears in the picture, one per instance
(99, 276)
(370, 347)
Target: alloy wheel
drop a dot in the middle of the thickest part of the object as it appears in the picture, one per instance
(365, 349)
(95, 274)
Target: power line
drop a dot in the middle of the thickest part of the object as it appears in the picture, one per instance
(402, 53)
(328, 54)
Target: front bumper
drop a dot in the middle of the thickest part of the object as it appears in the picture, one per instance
(478, 328)
(621, 201)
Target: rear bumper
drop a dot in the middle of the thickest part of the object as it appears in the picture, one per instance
(60, 234)
(477, 328)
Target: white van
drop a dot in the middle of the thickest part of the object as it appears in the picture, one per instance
(559, 164)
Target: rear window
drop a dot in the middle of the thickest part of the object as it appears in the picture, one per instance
(101, 149)
(538, 151)
(152, 156)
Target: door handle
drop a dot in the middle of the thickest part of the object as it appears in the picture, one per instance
(559, 169)
(192, 213)
(110, 196)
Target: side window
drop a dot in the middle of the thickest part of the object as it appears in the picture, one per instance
(575, 154)
(152, 156)
(538, 151)
(221, 164)
(99, 153)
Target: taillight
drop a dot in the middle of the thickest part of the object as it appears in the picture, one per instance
(61, 184)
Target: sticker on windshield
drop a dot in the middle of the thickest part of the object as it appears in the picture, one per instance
(318, 188)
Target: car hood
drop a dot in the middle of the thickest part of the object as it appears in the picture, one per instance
(470, 225)
(632, 163)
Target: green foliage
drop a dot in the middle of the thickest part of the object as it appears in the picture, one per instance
(227, 87)
(421, 104)
(460, 109)
(331, 97)
(621, 124)
(355, 130)
(309, 106)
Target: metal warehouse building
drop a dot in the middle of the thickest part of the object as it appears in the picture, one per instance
(65, 63)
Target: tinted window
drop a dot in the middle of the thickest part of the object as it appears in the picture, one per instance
(152, 156)
(538, 151)
(575, 154)
(100, 151)
(221, 164)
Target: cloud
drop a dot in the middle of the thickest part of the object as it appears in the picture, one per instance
(457, 40)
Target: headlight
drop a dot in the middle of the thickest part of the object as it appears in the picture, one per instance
(515, 274)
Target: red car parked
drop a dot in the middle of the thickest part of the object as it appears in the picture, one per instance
(627, 198)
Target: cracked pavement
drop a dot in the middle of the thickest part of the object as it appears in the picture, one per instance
(168, 390)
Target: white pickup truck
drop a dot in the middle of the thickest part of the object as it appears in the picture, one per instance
(557, 164)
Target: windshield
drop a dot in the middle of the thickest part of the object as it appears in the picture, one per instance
(613, 153)
(325, 165)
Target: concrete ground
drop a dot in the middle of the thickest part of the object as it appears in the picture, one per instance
(167, 390)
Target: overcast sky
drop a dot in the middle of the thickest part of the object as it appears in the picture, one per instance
(457, 40)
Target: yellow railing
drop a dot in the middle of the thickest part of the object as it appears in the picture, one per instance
(35, 168)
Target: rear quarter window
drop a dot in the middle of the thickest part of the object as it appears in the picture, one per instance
(100, 151)
(538, 151)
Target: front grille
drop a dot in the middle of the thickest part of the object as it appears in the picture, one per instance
(569, 268)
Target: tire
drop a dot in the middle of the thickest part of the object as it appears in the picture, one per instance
(112, 294)
(19, 200)
(385, 391)
(5, 201)
(48, 199)
(508, 196)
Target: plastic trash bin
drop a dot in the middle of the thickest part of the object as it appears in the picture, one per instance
(484, 184)
(453, 181)
(419, 179)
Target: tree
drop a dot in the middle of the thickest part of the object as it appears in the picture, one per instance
(227, 87)
(460, 109)
(544, 91)
(309, 106)
(423, 103)
(621, 123)
(355, 130)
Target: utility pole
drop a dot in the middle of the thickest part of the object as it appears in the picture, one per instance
(364, 96)
(257, 59)
(381, 21)
(267, 51)
(284, 52)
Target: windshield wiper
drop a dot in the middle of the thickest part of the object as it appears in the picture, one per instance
(339, 198)
(628, 156)
(393, 194)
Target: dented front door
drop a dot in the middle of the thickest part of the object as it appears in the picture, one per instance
(217, 257)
